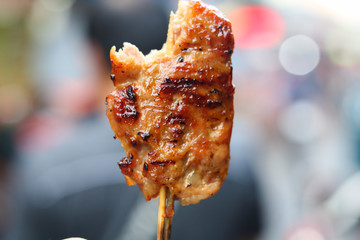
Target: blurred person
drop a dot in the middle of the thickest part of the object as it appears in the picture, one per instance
(69, 184)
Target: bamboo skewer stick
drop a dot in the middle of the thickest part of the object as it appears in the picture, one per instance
(166, 211)
(169, 212)
(161, 219)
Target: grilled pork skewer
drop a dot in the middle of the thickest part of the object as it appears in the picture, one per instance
(173, 109)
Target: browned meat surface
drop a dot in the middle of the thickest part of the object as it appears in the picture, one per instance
(173, 109)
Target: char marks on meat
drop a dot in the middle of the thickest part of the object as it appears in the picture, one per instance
(173, 108)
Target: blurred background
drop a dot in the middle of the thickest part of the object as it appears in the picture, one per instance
(294, 172)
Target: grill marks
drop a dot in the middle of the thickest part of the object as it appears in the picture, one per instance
(191, 93)
(175, 119)
(126, 161)
(125, 107)
(153, 164)
(176, 124)
(126, 165)
(144, 135)
(130, 93)
(173, 85)
(154, 161)
(162, 163)
(213, 103)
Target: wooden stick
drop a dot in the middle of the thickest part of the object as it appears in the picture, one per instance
(169, 212)
(166, 211)
(161, 219)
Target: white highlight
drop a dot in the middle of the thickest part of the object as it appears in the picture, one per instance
(302, 122)
(307, 233)
(299, 55)
(74, 238)
(342, 46)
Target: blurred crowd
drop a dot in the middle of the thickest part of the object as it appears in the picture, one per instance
(294, 172)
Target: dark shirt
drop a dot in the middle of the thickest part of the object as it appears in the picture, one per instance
(76, 189)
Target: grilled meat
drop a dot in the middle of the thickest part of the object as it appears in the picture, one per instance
(173, 108)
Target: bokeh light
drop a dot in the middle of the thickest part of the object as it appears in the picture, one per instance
(15, 104)
(342, 46)
(343, 12)
(256, 27)
(302, 122)
(299, 54)
(75, 238)
(307, 233)
(57, 5)
(257, 57)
